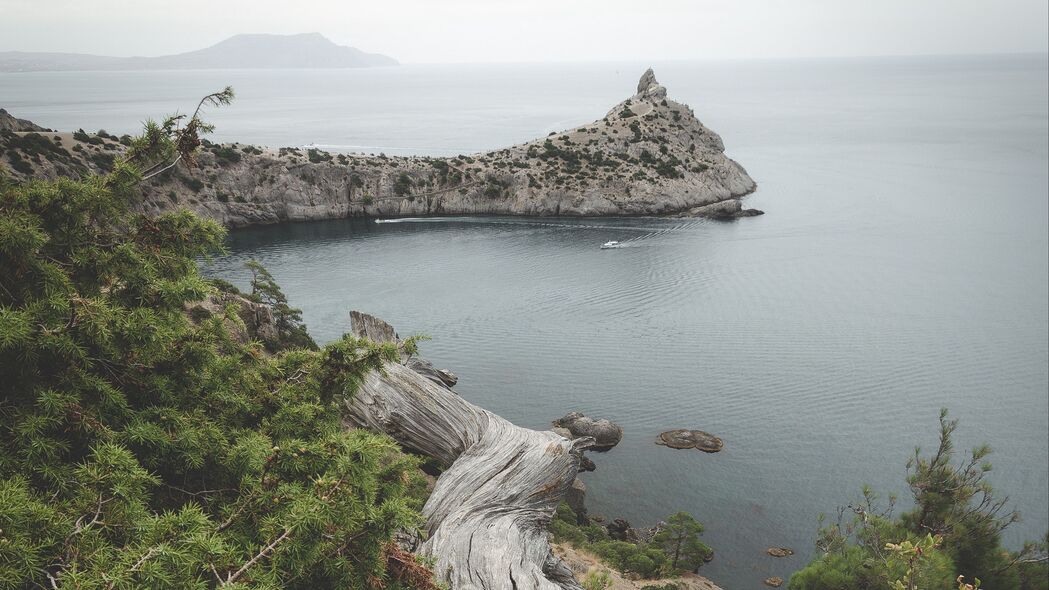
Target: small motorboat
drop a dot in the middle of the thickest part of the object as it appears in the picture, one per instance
(611, 244)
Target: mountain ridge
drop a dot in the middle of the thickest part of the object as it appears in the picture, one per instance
(247, 51)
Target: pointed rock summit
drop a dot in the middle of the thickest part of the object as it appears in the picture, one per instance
(649, 87)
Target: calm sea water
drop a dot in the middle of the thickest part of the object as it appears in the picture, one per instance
(901, 267)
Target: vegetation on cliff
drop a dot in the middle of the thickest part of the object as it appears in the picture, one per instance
(952, 536)
(675, 546)
(140, 448)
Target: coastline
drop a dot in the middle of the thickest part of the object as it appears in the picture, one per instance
(648, 156)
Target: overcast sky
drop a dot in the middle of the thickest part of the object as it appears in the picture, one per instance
(540, 30)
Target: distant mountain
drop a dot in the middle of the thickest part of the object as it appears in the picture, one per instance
(307, 50)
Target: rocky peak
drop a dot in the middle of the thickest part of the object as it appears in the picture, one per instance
(9, 122)
(649, 87)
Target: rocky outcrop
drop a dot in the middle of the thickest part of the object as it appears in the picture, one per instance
(649, 88)
(256, 319)
(9, 122)
(576, 500)
(649, 155)
(606, 434)
(690, 439)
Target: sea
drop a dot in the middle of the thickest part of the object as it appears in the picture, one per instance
(902, 266)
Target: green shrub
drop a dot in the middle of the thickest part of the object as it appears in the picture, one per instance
(195, 184)
(951, 500)
(403, 185)
(81, 135)
(226, 155)
(103, 161)
(317, 156)
(19, 164)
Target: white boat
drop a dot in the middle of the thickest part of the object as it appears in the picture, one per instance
(612, 244)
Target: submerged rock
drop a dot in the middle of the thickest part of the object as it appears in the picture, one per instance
(690, 439)
(780, 551)
(606, 434)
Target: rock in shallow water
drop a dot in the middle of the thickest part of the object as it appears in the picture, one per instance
(690, 439)
(606, 434)
(780, 551)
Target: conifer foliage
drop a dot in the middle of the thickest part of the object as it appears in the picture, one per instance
(141, 450)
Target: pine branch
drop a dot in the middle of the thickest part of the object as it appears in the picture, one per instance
(262, 554)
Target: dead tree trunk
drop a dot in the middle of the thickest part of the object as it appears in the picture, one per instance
(487, 516)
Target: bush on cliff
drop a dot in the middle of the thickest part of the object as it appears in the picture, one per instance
(676, 548)
(139, 449)
(953, 530)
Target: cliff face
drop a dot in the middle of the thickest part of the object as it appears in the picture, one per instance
(648, 156)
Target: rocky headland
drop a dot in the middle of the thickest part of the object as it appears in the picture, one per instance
(649, 155)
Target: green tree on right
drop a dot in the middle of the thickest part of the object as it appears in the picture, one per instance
(951, 537)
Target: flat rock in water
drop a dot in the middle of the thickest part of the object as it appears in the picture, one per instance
(780, 551)
(606, 434)
(774, 581)
(690, 439)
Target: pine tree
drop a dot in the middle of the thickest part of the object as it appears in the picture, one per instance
(139, 449)
(955, 506)
(679, 539)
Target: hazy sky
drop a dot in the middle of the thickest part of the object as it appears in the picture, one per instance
(540, 30)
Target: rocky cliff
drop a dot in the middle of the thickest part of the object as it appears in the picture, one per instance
(648, 156)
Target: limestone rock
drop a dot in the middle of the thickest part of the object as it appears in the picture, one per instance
(606, 434)
(597, 169)
(690, 439)
(9, 122)
(648, 87)
(729, 209)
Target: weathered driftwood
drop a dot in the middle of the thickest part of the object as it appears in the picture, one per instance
(487, 516)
